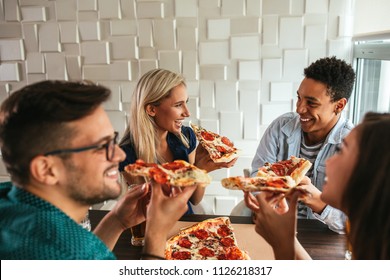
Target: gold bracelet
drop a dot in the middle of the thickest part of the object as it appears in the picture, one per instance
(147, 255)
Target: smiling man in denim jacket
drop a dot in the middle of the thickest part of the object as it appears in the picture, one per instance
(314, 132)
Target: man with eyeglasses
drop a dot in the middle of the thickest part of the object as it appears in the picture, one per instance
(61, 152)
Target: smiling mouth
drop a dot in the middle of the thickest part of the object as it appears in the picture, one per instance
(179, 123)
(305, 120)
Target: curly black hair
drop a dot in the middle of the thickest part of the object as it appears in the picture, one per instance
(336, 74)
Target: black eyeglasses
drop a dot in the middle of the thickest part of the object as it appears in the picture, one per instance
(109, 146)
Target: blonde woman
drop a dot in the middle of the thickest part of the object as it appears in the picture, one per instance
(156, 132)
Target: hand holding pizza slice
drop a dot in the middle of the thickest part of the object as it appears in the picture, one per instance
(220, 148)
(282, 176)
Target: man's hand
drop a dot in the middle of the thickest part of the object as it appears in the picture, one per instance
(129, 211)
(313, 200)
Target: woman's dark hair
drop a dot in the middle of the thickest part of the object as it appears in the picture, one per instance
(336, 74)
(33, 120)
(367, 196)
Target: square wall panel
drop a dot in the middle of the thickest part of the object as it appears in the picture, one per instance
(226, 95)
(249, 70)
(11, 49)
(145, 36)
(10, 72)
(146, 65)
(11, 10)
(124, 47)
(66, 9)
(211, 72)
(270, 30)
(186, 8)
(281, 91)
(250, 106)
(30, 34)
(87, 5)
(316, 6)
(218, 29)
(190, 67)
(207, 95)
(69, 32)
(33, 13)
(114, 102)
(49, 37)
(214, 53)
(89, 30)
(150, 10)
(95, 52)
(270, 112)
(118, 120)
(9, 30)
(120, 71)
(272, 69)
(96, 72)
(170, 60)
(243, 26)
(35, 63)
(315, 36)
(291, 32)
(233, 7)
(276, 7)
(246, 47)
(56, 66)
(294, 63)
(338, 7)
(187, 38)
(73, 67)
(123, 27)
(231, 124)
(165, 34)
(109, 9)
(253, 8)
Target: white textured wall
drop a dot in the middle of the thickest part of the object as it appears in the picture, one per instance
(243, 59)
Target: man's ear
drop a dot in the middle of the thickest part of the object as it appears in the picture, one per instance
(340, 105)
(43, 170)
(151, 110)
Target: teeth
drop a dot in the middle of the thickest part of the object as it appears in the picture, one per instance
(305, 120)
(326, 179)
(112, 172)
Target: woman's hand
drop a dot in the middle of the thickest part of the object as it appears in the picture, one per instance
(203, 160)
(277, 229)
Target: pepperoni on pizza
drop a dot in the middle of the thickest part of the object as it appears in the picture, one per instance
(212, 239)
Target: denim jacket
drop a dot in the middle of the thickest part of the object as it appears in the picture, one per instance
(282, 139)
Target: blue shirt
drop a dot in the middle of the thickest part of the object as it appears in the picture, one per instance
(282, 139)
(179, 151)
(34, 229)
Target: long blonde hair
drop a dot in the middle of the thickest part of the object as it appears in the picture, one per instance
(141, 131)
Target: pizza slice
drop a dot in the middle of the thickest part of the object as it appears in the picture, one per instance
(282, 176)
(211, 239)
(220, 148)
(280, 184)
(178, 173)
(294, 167)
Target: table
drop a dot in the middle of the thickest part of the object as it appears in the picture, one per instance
(320, 242)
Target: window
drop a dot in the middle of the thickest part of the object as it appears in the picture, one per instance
(372, 88)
